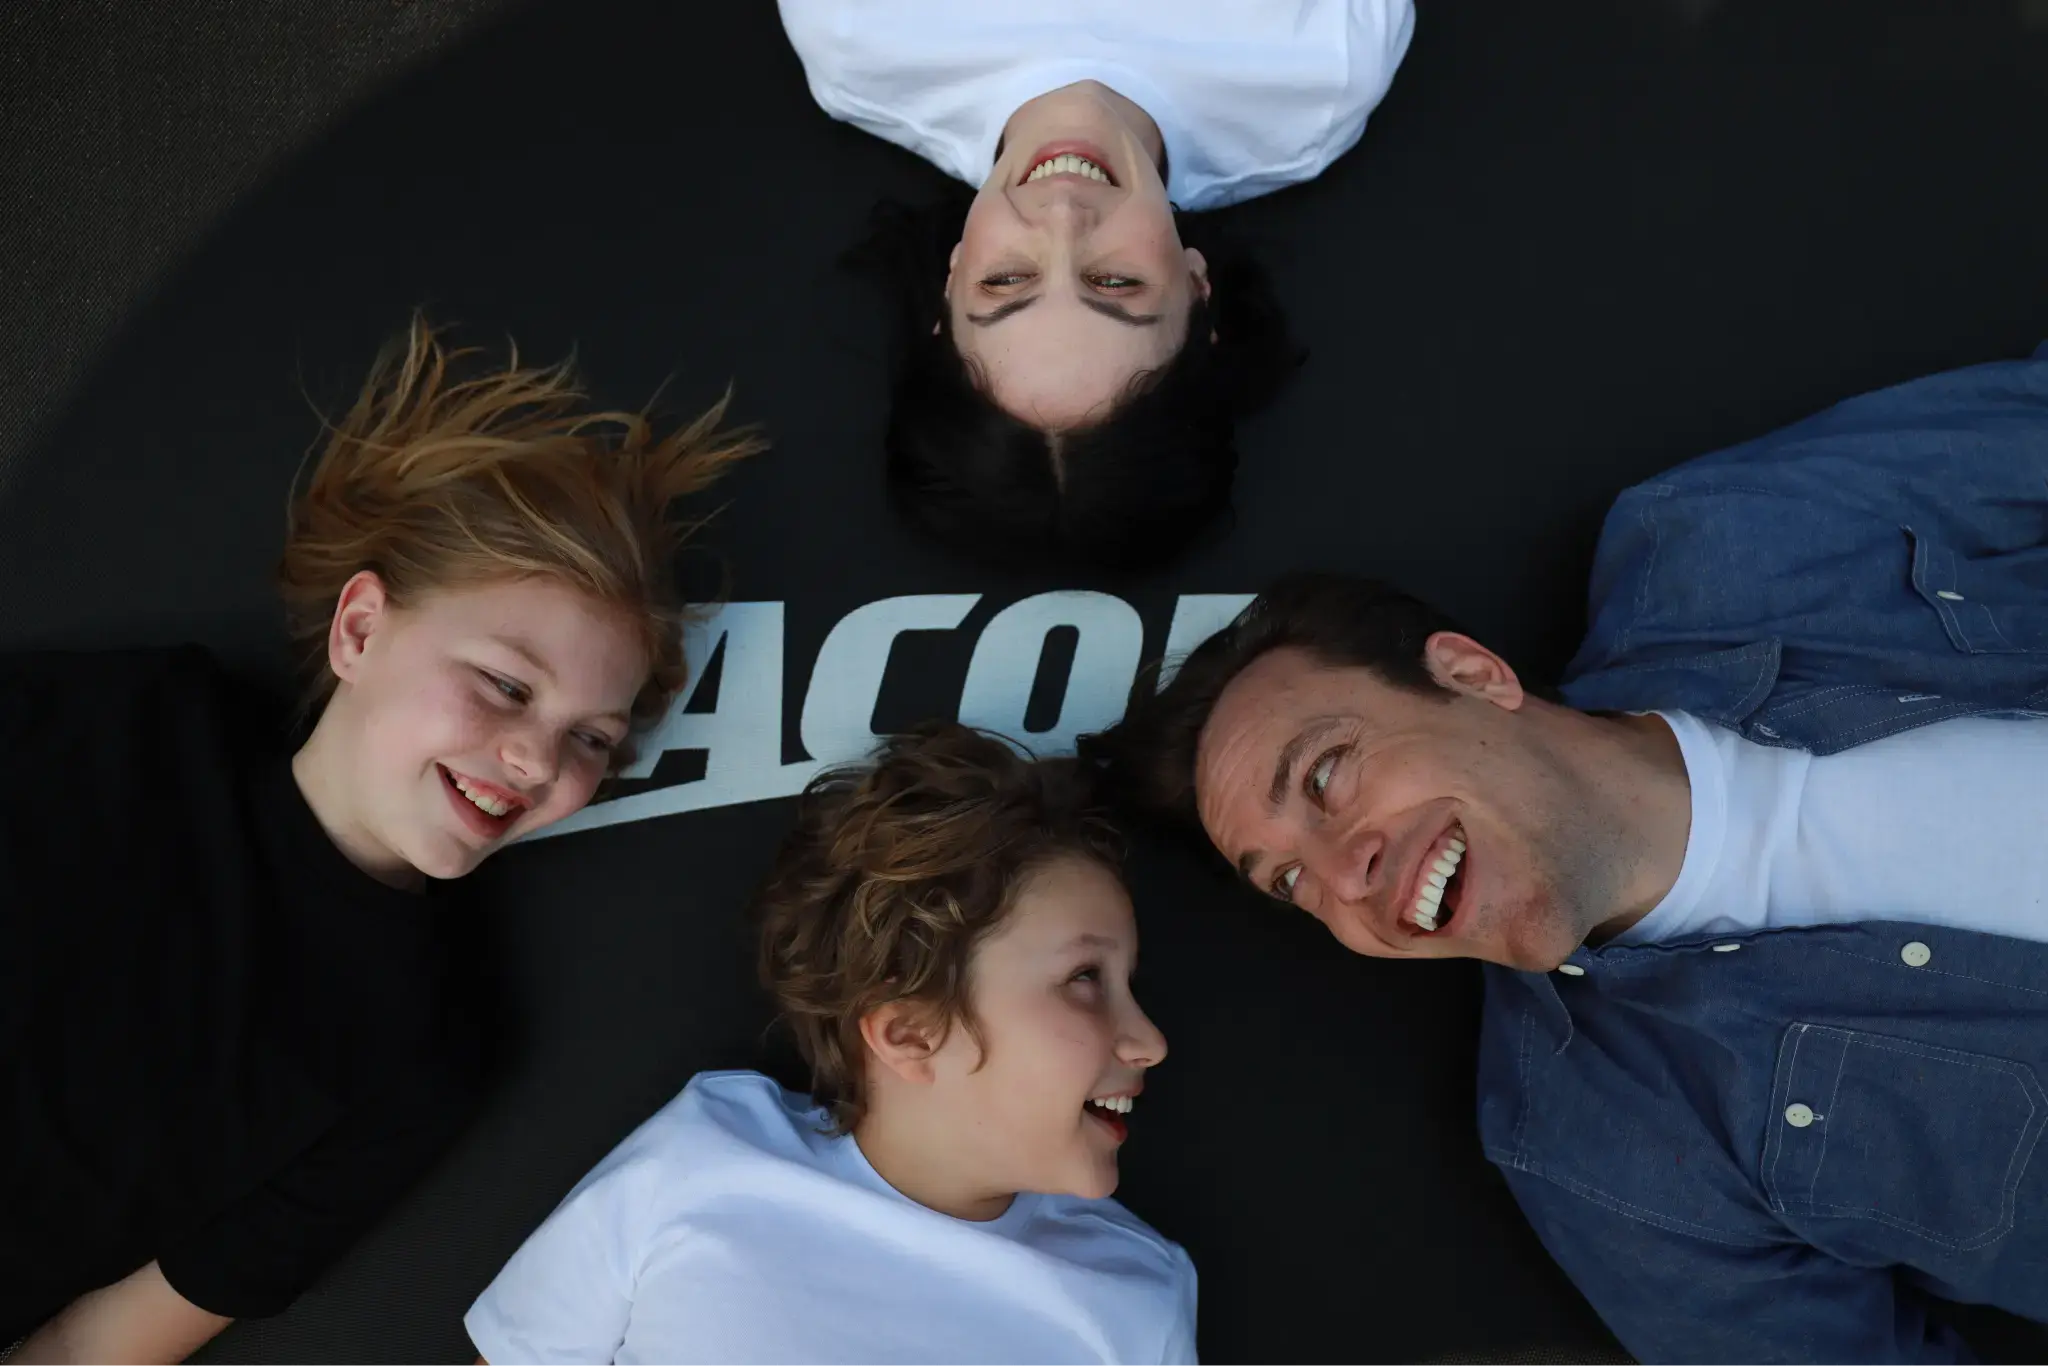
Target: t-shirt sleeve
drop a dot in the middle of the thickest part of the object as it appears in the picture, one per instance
(259, 1253)
(567, 1294)
(1180, 1336)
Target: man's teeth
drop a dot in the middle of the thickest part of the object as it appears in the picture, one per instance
(1120, 1105)
(1067, 164)
(490, 805)
(1435, 881)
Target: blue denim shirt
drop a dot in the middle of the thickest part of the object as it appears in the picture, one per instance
(1780, 1146)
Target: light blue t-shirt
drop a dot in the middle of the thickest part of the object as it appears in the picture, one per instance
(1249, 95)
(1943, 825)
(730, 1228)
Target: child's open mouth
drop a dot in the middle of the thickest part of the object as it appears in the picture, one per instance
(487, 810)
(1109, 1112)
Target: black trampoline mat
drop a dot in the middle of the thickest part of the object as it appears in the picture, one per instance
(1577, 244)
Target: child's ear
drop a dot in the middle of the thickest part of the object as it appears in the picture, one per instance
(903, 1036)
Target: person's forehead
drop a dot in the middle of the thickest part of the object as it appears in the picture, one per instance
(1258, 712)
(574, 638)
(1073, 902)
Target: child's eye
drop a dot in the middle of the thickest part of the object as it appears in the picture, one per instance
(510, 689)
(1090, 974)
(598, 744)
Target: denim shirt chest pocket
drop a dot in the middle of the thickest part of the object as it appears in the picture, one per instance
(1929, 1141)
(1990, 605)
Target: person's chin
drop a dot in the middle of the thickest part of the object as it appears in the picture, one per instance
(443, 857)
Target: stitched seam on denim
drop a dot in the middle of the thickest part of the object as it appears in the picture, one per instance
(1834, 1094)
(1637, 1212)
(1936, 972)
(1773, 1188)
(1892, 725)
(1800, 706)
(1522, 1072)
(2008, 1187)
(1649, 524)
(1991, 620)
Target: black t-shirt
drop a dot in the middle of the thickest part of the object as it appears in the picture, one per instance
(222, 1045)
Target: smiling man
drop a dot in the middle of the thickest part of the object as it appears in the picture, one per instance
(1762, 889)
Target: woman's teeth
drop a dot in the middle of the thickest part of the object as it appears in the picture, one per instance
(1068, 164)
(1435, 882)
(491, 806)
(1119, 1105)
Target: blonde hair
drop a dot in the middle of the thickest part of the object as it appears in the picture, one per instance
(436, 481)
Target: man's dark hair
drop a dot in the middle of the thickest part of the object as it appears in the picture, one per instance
(1135, 488)
(1146, 762)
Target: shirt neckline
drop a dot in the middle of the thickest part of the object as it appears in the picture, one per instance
(863, 1173)
(1703, 842)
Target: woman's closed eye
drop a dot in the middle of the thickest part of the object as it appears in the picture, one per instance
(997, 281)
(1112, 283)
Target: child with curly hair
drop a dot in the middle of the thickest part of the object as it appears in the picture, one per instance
(947, 936)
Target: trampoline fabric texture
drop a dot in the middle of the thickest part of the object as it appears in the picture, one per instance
(1577, 245)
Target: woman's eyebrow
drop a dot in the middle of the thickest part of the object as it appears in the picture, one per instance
(1120, 313)
(1102, 306)
(996, 315)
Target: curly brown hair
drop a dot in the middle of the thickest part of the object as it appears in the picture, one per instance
(450, 471)
(896, 871)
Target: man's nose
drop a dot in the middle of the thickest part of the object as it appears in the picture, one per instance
(1354, 864)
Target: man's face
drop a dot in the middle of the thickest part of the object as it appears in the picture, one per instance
(1382, 811)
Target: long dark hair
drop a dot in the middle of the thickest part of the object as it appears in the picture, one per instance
(1133, 489)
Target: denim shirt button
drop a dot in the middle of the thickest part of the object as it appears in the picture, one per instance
(1798, 1116)
(1571, 969)
(1916, 954)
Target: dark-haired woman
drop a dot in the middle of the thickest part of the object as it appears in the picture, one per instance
(1071, 364)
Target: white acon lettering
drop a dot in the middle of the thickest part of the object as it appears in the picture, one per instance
(741, 736)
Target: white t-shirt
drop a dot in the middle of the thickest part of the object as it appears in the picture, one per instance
(1250, 95)
(1943, 825)
(729, 1228)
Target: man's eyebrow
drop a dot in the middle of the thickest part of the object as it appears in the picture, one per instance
(996, 315)
(1283, 779)
(1120, 313)
(1290, 754)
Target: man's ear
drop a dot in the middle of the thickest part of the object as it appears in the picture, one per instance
(903, 1036)
(362, 608)
(1463, 665)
